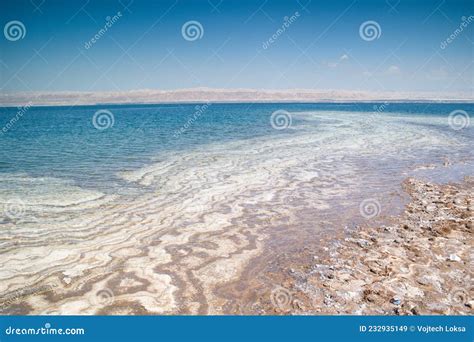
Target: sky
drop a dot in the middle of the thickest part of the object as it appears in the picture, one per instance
(259, 44)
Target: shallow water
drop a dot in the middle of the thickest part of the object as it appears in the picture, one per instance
(153, 213)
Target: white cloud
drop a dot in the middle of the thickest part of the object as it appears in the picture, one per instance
(333, 65)
(393, 70)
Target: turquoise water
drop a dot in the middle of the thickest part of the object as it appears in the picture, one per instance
(174, 199)
(51, 147)
(49, 150)
(62, 142)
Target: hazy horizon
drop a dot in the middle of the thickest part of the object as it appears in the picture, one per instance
(210, 95)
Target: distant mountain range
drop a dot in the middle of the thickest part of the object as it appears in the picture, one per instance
(194, 95)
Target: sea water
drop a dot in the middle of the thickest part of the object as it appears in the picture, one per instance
(193, 191)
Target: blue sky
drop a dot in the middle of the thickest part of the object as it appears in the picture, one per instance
(321, 49)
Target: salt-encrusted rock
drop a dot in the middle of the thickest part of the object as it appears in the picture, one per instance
(454, 257)
(396, 300)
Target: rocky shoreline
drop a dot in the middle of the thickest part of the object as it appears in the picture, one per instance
(419, 265)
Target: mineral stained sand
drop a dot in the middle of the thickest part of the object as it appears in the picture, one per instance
(419, 263)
